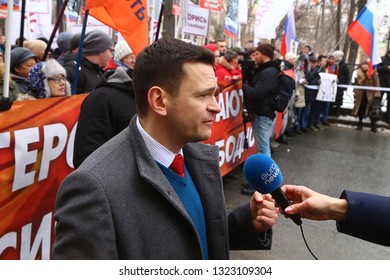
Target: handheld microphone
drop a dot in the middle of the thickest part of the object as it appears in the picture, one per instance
(264, 175)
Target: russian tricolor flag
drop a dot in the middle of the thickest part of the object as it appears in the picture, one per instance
(364, 32)
(289, 33)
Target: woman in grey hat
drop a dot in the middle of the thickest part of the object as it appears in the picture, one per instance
(22, 60)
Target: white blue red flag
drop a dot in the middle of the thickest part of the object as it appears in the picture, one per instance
(364, 31)
(289, 34)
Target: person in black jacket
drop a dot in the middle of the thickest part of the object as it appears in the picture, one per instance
(384, 78)
(260, 95)
(105, 112)
(258, 98)
(97, 52)
(342, 79)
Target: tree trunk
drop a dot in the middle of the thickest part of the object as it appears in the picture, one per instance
(169, 20)
(338, 25)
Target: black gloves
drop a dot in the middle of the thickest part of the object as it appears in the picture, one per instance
(5, 103)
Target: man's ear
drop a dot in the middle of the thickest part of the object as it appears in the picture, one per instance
(17, 69)
(156, 99)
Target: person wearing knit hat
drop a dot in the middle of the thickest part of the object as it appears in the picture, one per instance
(97, 42)
(214, 49)
(97, 52)
(38, 47)
(266, 49)
(74, 42)
(290, 56)
(63, 41)
(342, 79)
(124, 55)
(48, 79)
(22, 60)
(228, 70)
(73, 49)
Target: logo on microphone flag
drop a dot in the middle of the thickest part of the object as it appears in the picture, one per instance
(364, 31)
(289, 33)
(130, 18)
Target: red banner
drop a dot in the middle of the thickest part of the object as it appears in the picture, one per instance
(36, 153)
(228, 130)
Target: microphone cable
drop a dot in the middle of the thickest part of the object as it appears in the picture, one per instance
(307, 246)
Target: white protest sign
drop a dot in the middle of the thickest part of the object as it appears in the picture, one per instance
(328, 87)
(197, 21)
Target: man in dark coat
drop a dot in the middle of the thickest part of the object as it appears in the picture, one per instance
(97, 52)
(342, 79)
(105, 112)
(384, 78)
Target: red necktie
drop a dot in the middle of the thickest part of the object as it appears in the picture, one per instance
(177, 165)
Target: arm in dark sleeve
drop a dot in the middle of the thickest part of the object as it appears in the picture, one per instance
(367, 217)
(383, 69)
(242, 234)
(265, 84)
(94, 126)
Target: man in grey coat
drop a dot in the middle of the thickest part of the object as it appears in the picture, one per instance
(126, 200)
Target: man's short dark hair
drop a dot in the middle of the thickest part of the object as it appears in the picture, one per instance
(321, 57)
(161, 64)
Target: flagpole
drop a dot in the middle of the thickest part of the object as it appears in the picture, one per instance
(7, 58)
(80, 53)
(53, 33)
(21, 34)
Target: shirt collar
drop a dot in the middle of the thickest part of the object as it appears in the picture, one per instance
(159, 153)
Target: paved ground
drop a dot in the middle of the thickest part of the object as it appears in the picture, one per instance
(329, 160)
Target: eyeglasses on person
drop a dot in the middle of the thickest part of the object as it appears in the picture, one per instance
(57, 80)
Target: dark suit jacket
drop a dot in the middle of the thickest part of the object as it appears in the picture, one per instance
(119, 205)
(368, 217)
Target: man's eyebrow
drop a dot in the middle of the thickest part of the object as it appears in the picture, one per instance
(215, 90)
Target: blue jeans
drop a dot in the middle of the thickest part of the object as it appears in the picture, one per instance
(261, 126)
(305, 115)
(325, 112)
(298, 123)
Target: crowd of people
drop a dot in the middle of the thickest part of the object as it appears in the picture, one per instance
(106, 67)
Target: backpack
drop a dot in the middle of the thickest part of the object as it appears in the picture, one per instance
(284, 91)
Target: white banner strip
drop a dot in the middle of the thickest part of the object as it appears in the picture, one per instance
(352, 86)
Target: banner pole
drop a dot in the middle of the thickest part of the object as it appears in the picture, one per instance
(160, 19)
(21, 34)
(53, 33)
(7, 52)
(76, 72)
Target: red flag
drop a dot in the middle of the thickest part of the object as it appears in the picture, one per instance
(129, 17)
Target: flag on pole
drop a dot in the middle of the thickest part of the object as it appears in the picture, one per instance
(289, 33)
(130, 18)
(364, 31)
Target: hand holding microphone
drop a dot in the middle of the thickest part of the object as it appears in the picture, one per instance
(264, 175)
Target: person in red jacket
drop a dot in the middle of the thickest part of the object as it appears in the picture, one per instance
(228, 71)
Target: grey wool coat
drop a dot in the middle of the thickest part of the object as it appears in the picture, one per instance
(119, 205)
